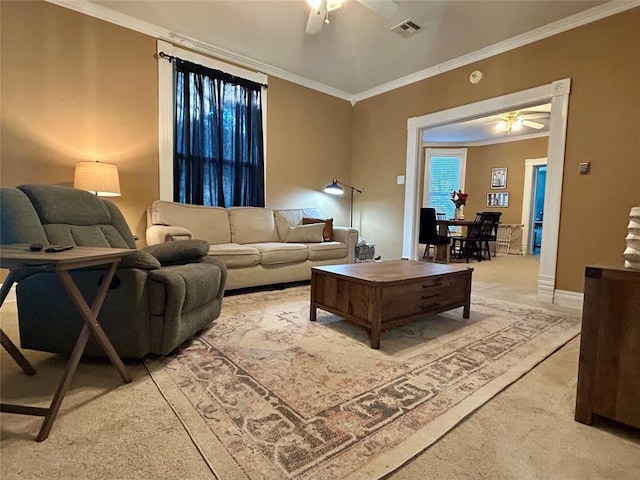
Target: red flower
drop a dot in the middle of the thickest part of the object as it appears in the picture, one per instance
(459, 198)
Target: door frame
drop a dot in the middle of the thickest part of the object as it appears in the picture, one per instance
(527, 200)
(557, 93)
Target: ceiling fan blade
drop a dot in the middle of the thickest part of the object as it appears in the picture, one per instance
(386, 8)
(533, 115)
(535, 125)
(316, 19)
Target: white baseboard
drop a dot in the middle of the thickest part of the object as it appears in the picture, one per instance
(569, 299)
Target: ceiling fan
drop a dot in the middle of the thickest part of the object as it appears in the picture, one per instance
(513, 121)
(319, 13)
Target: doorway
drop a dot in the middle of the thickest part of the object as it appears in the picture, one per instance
(558, 94)
(535, 181)
(540, 176)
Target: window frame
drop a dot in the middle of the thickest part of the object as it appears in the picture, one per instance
(166, 109)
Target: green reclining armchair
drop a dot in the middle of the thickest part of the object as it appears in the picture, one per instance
(160, 296)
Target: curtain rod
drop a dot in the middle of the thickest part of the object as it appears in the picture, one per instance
(171, 58)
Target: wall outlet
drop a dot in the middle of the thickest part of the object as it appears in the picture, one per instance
(400, 179)
(585, 168)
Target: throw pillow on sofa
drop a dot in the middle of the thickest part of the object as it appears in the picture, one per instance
(327, 233)
(305, 233)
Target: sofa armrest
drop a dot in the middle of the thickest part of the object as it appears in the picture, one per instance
(139, 259)
(176, 253)
(166, 233)
(223, 269)
(348, 236)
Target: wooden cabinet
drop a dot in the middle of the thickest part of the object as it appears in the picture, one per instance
(609, 367)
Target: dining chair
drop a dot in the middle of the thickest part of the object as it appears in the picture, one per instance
(466, 246)
(429, 234)
(489, 234)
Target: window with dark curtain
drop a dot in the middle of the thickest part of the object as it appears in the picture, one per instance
(219, 154)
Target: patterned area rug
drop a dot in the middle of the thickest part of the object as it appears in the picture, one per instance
(267, 394)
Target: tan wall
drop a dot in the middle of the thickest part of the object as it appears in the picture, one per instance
(77, 88)
(603, 61)
(308, 144)
(480, 161)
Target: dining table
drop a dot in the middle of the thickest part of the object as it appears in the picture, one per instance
(444, 224)
(443, 230)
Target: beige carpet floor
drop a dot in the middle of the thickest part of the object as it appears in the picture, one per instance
(107, 430)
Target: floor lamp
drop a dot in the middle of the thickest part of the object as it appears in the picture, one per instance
(335, 189)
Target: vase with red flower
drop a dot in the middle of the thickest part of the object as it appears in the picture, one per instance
(459, 199)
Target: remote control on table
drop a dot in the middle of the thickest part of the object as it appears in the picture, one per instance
(58, 248)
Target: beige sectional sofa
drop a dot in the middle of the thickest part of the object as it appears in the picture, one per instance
(259, 246)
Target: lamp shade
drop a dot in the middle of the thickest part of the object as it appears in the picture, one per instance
(99, 178)
(334, 188)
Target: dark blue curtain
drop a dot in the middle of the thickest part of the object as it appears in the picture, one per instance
(219, 154)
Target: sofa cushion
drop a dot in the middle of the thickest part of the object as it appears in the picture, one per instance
(305, 233)
(208, 223)
(58, 204)
(274, 253)
(98, 223)
(292, 217)
(252, 225)
(327, 250)
(105, 236)
(327, 233)
(234, 255)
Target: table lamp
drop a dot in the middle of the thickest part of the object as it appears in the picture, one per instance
(97, 177)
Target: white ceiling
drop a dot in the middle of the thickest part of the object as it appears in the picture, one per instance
(483, 131)
(356, 51)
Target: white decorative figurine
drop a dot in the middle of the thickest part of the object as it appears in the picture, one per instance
(632, 252)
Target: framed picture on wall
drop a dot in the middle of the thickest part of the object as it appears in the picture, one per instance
(499, 177)
(498, 199)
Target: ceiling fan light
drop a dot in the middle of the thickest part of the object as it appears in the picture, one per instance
(502, 126)
(517, 125)
(315, 4)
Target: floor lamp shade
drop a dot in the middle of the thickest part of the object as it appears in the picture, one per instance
(97, 177)
(334, 188)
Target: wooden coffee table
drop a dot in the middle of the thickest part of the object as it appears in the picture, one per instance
(380, 295)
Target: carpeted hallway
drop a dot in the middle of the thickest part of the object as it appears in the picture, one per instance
(107, 430)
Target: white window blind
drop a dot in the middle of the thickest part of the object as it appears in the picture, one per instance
(444, 173)
(444, 178)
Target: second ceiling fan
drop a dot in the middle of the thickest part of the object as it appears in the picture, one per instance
(319, 13)
(513, 121)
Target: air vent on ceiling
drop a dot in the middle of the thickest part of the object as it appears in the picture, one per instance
(406, 28)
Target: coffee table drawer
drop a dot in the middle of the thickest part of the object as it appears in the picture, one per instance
(415, 301)
(447, 282)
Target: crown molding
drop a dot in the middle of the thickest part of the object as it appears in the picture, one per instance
(593, 14)
(579, 19)
(161, 33)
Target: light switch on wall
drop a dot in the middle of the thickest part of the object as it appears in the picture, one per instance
(400, 179)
